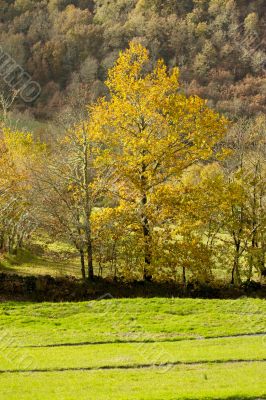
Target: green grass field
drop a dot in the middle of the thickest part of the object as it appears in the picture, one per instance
(154, 349)
(56, 259)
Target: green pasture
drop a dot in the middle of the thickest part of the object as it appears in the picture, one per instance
(133, 349)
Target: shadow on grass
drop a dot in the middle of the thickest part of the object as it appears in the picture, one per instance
(167, 365)
(148, 341)
(232, 398)
(263, 397)
(26, 263)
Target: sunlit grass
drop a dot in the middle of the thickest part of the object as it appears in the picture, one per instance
(130, 320)
(134, 354)
(133, 349)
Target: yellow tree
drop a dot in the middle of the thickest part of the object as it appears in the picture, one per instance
(151, 132)
(17, 152)
(68, 186)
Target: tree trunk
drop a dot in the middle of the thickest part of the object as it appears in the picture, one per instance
(2, 242)
(87, 205)
(90, 260)
(82, 263)
(184, 278)
(235, 280)
(254, 243)
(144, 220)
(147, 243)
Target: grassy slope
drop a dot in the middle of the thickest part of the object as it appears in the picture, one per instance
(162, 331)
(58, 259)
(131, 320)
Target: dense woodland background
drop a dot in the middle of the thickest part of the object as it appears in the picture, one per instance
(68, 46)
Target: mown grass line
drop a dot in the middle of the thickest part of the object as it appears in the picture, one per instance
(235, 381)
(141, 341)
(113, 355)
(135, 366)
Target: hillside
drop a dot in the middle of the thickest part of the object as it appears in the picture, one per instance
(68, 46)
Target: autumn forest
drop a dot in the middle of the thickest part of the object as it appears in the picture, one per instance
(143, 146)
